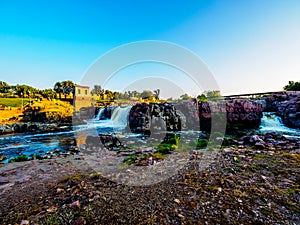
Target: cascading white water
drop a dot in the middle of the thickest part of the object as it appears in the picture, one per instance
(119, 116)
(100, 112)
(272, 123)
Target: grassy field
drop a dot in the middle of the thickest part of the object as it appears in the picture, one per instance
(5, 115)
(13, 102)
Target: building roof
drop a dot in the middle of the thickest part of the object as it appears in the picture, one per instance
(81, 86)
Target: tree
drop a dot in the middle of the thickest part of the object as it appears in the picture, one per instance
(47, 93)
(97, 90)
(212, 94)
(4, 87)
(156, 93)
(185, 97)
(58, 88)
(24, 90)
(202, 98)
(68, 87)
(65, 87)
(292, 86)
(146, 94)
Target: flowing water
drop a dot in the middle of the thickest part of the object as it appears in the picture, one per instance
(28, 144)
(100, 113)
(272, 123)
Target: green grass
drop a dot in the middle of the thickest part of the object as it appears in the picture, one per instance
(13, 102)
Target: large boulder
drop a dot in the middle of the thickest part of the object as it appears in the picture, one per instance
(241, 113)
(289, 110)
(286, 105)
(244, 113)
(188, 112)
(273, 100)
(154, 117)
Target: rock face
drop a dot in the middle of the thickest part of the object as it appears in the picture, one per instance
(273, 100)
(241, 113)
(287, 106)
(289, 110)
(244, 113)
(146, 118)
(189, 114)
(31, 114)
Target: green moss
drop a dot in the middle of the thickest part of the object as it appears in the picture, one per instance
(76, 177)
(20, 158)
(53, 221)
(292, 206)
(260, 156)
(130, 160)
(202, 144)
(37, 156)
(165, 148)
(158, 155)
(288, 192)
(291, 156)
(95, 176)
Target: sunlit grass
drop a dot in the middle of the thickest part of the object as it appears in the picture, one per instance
(14, 102)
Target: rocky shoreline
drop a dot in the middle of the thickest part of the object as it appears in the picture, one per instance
(33, 127)
(246, 183)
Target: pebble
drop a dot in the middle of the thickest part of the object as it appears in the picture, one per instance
(3, 180)
(76, 203)
(23, 179)
(177, 201)
(24, 222)
(59, 190)
(227, 150)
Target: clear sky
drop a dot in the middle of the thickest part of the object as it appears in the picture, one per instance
(250, 45)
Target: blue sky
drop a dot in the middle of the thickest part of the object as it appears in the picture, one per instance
(250, 46)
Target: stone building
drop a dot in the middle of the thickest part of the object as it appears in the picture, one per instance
(82, 97)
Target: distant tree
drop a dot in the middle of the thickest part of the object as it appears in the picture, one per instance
(24, 90)
(68, 87)
(4, 87)
(109, 94)
(212, 94)
(156, 93)
(58, 89)
(292, 86)
(146, 94)
(202, 98)
(185, 97)
(97, 90)
(135, 94)
(47, 93)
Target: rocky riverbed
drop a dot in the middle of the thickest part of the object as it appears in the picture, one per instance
(31, 127)
(252, 180)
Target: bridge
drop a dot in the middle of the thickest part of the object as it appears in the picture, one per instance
(256, 95)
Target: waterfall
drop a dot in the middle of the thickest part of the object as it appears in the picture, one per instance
(272, 123)
(100, 112)
(120, 115)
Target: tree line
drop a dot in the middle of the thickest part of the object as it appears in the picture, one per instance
(292, 86)
(26, 91)
(112, 95)
(65, 88)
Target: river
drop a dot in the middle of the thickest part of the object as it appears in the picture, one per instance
(29, 144)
